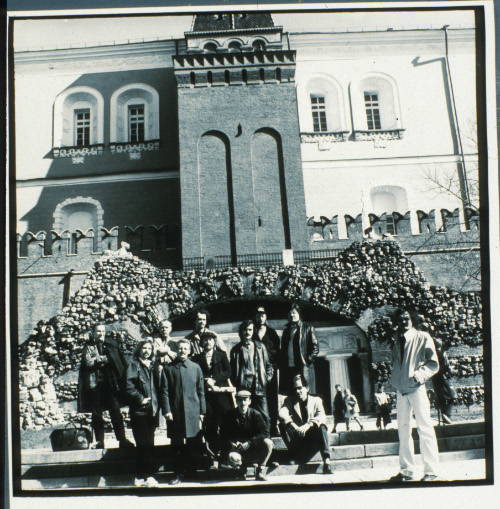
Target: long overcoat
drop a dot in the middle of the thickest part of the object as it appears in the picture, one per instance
(183, 394)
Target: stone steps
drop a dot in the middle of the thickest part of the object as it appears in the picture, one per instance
(352, 450)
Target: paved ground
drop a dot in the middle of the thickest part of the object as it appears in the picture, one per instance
(451, 471)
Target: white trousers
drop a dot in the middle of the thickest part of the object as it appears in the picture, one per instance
(419, 403)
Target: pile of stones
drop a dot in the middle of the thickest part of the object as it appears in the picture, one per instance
(365, 276)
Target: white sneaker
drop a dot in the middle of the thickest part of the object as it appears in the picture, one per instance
(138, 482)
(151, 482)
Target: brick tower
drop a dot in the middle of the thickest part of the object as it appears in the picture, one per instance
(242, 189)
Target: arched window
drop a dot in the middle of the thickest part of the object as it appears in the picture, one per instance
(375, 104)
(80, 213)
(135, 114)
(78, 118)
(210, 47)
(234, 47)
(259, 45)
(321, 105)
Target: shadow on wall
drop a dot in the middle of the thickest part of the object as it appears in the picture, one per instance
(89, 143)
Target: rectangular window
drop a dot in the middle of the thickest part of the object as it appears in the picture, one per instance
(390, 225)
(372, 111)
(318, 107)
(73, 244)
(82, 127)
(136, 123)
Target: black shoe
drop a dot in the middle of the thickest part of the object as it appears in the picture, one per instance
(99, 445)
(241, 474)
(400, 478)
(176, 480)
(327, 468)
(126, 444)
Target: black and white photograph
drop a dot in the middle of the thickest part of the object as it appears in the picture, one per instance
(251, 249)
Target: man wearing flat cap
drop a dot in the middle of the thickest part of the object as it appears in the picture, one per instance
(244, 433)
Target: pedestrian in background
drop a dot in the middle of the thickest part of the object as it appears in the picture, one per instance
(351, 409)
(338, 407)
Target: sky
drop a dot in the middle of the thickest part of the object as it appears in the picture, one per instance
(63, 32)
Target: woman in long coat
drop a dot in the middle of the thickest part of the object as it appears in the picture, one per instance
(143, 404)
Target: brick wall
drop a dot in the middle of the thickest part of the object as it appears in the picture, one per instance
(260, 134)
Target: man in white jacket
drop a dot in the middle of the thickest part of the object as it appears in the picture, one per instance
(303, 425)
(414, 361)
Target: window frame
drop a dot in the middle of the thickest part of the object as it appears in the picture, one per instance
(134, 123)
(318, 112)
(85, 124)
(372, 110)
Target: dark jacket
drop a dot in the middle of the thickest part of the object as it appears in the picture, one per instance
(183, 394)
(94, 372)
(339, 406)
(271, 341)
(219, 370)
(263, 369)
(443, 387)
(248, 428)
(307, 344)
(139, 384)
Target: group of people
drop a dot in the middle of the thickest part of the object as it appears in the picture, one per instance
(222, 406)
(345, 408)
(227, 406)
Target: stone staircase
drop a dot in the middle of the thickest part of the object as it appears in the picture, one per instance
(354, 450)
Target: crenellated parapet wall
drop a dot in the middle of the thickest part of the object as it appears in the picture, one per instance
(435, 228)
(60, 251)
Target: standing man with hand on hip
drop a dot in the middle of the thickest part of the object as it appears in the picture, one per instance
(270, 339)
(299, 349)
(414, 361)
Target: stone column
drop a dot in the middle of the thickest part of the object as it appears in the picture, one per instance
(365, 370)
(338, 371)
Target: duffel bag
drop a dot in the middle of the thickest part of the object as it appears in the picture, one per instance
(70, 438)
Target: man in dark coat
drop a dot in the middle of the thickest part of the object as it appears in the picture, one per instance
(443, 388)
(183, 403)
(102, 368)
(303, 425)
(270, 339)
(244, 432)
(219, 392)
(339, 407)
(250, 367)
(299, 349)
